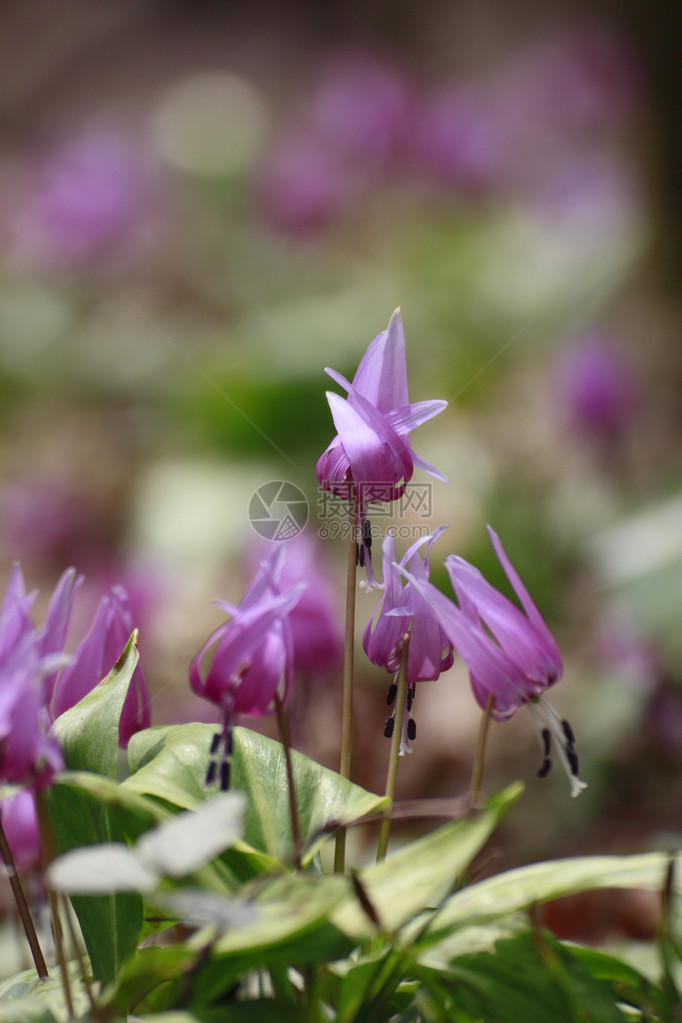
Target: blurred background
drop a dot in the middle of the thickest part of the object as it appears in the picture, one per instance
(204, 204)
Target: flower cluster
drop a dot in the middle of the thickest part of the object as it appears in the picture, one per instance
(39, 681)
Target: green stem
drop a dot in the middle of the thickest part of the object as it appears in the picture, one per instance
(479, 759)
(392, 773)
(286, 743)
(348, 670)
(22, 906)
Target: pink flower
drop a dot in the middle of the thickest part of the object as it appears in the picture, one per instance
(402, 608)
(94, 659)
(511, 654)
(252, 657)
(371, 453)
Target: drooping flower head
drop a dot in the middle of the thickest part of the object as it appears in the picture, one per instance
(371, 458)
(94, 659)
(511, 654)
(252, 657)
(402, 608)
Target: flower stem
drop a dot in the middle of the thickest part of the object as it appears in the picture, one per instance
(22, 906)
(479, 759)
(392, 773)
(286, 743)
(48, 843)
(348, 668)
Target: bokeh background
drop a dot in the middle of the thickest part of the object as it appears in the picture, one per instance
(202, 205)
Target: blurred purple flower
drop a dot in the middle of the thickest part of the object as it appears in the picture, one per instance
(20, 824)
(401, 609)
(511, 654)
(361, 111)
(598, 386)
(302, 187)
(29, 662)
(371, 453)
(317, 641)
(91, 192)
(252, 657)
(94, 659)
(456, 139)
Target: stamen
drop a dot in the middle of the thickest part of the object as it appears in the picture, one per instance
(215, 743)
(391, 694)
(388, 727)
(211, 772)
(224, 776)
(228, 743)
(367, 534)
(568, 731)
(361, 555)
(411, 729)
(546, 740)
(546, 768)
(410, 696)
(573, 760)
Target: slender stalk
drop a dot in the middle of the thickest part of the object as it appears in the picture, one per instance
(79, 954)
(479, 759)
(286, 743)
(22, 906)
(49, 847)
(392, 773)
(348, 670)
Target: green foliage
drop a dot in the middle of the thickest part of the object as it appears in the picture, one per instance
(407, 938)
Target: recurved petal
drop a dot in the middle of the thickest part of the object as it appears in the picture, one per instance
(381, 377)
(524, 596)
(409, 417)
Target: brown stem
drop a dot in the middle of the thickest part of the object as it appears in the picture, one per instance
(348, 670)
(22, 906)
(286, 743)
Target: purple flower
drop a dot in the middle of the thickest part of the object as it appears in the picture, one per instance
(598, 386)
(29, 662)
(20, 824)
(94, 659)
(511, 654)
(252, 657)
(92, 191)
(371, 453)
(316, 639)
(402, 608)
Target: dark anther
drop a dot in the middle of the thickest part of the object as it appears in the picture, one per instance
(546, 768)
(388, 727)
(224, 776)
(361, 556)
(568, 731)
(215, 743)
(391, 694)
(546, 740)
(228, 743)
(572, 759)
(410, 696)
(411, 729)
(210, 773)
(367, 534)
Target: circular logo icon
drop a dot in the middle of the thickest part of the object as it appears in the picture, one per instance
(278, 510)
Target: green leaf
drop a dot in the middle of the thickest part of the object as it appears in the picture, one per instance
(111, 924)
(530, 978)
(421, 873)
(170, 763)
(527, 886)
(25, 998)
(88, 733)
